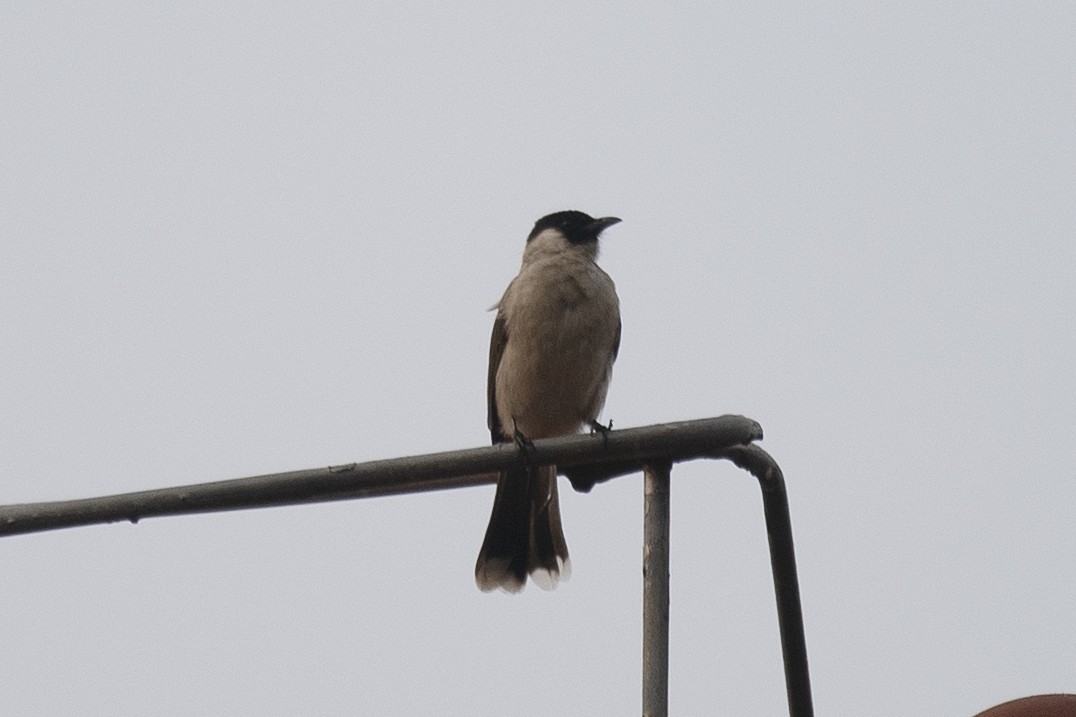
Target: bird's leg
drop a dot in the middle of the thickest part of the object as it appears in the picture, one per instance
(526, 447)
(596, 427)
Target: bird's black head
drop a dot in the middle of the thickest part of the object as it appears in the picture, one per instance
(577, 227)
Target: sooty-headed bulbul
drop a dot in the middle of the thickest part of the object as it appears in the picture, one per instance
(555, 338)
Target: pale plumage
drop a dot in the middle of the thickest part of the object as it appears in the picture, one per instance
(555, 338)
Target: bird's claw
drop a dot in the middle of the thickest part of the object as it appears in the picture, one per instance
(598, 427)
(604, 430)
(526, 447)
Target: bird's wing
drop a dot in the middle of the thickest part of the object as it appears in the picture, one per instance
(616, 342)
(496, 349)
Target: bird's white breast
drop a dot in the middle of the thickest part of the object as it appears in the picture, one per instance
(562, 318)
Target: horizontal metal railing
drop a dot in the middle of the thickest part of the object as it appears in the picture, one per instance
(585, 459)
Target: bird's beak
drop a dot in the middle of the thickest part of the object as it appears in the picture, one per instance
(599, 225)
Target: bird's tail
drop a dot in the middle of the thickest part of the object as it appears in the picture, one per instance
(524, 534)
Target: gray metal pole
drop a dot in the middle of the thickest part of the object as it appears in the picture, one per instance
(585, 459)
(628, 448)
(656, 590)
(785, 581)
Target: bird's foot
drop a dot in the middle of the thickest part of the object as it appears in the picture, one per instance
(596, 427)
(526, 447)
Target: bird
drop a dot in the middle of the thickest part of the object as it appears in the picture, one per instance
(554, 341)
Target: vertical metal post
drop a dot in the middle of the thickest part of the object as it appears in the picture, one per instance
(656, 590)
(785, 582)
(787, 589)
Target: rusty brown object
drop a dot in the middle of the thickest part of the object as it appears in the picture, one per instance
(1037, 706)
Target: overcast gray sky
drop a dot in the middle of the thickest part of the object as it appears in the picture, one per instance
(240, 238)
